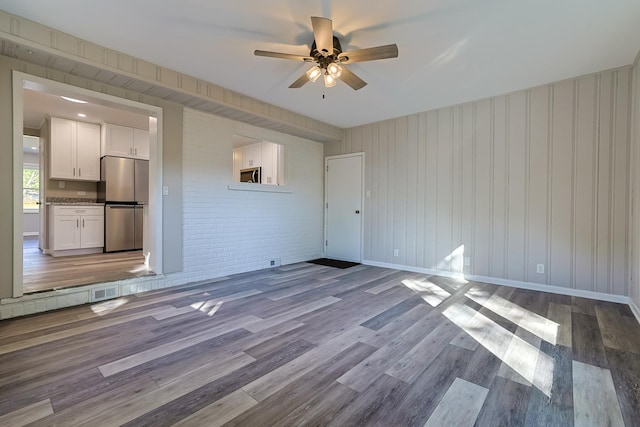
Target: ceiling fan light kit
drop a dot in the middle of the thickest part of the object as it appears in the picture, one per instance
(314, 73)
(335, 70)
(329, 80)
(326, 53)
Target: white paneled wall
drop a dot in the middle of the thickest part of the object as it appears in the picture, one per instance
(539, 176)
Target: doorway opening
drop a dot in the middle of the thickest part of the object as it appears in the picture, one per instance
(35, 102)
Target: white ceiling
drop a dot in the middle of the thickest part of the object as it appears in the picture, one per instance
(450, 51)
(38, 105)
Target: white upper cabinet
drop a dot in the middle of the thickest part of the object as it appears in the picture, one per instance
(270, 163)
(252, 155)
(74, 150)
(117, 140)
(141, 144)
(88, 151)
(123, 141)
(237, 163)
(62, 149)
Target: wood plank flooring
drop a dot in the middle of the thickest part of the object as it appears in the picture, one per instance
(43, 272)
(306, 344)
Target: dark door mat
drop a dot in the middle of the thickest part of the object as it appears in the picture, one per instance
(334, 263)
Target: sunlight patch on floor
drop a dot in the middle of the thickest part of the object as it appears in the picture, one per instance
(428, 291)
(209, 307)
(106, 307)
(518, 354)
(532, 322)
(139, 269)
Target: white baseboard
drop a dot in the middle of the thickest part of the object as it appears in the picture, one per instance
(30, 233)
(622, 299)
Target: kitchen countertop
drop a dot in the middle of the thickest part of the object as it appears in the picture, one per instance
(75, 204)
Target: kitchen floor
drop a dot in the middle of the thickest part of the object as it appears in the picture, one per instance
(43, 272)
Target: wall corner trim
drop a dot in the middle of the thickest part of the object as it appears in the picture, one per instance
(635, 309)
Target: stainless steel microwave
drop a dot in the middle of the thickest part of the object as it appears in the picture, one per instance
(251, 175)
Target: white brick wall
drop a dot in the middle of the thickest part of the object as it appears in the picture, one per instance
(225, 231)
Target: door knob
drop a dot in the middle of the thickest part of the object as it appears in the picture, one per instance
(357, 212)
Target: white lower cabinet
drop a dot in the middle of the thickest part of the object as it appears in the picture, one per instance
(65, 232)
(76, 228)
(92, 231)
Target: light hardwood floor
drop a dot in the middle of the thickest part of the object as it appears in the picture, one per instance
(313, 345)
(43, 272)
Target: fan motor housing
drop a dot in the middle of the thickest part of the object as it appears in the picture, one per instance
(321, 59)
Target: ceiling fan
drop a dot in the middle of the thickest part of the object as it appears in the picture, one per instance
(329, 58)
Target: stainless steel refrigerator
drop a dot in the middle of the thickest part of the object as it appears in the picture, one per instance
(124, 188)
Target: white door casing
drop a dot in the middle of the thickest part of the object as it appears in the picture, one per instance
(153, 220)
(42, 186)
(344, 181)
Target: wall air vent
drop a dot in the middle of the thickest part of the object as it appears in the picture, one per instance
(104, 293)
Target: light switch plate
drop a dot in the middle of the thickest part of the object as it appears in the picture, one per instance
(165, 190)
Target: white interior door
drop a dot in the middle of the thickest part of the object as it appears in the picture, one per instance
(343, 206)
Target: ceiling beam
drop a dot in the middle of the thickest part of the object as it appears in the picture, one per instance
(34, 43)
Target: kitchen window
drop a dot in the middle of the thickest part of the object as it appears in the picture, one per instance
(30, 187)
(256, 161)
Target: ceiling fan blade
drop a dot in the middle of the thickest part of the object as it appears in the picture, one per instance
(351, 79)
(282, 55)
(369, 54)
(300, 82)
(323, 34)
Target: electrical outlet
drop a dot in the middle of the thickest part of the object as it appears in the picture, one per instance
(540, 268)
(60, 184)
(467, 261)
(396, 252)
(82, 193)
(165, 190)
